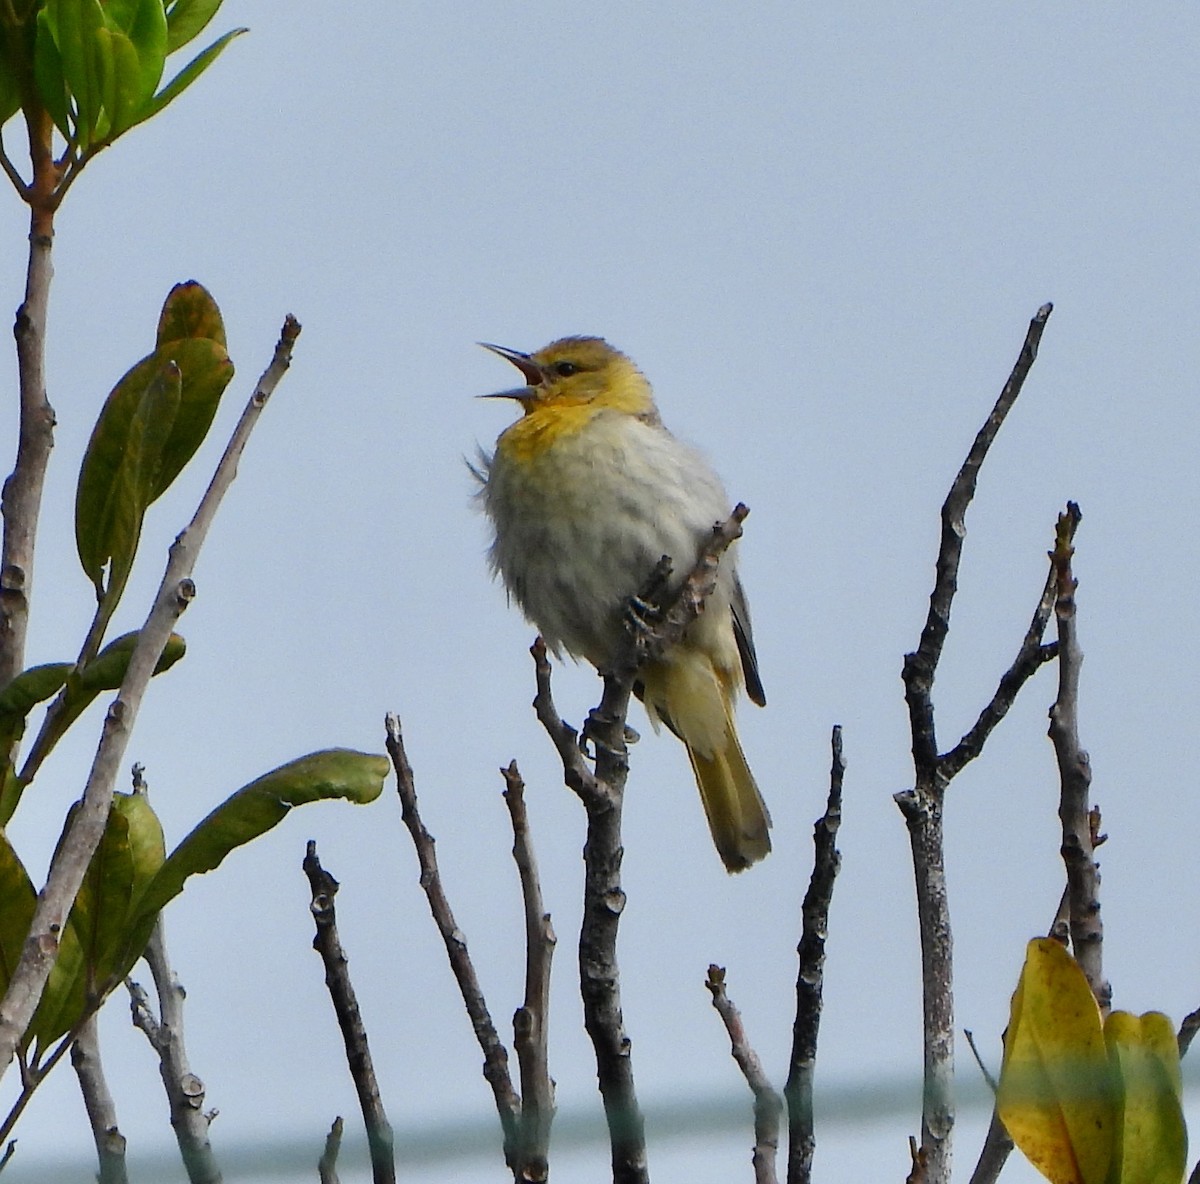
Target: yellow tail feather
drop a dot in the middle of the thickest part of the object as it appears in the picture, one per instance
(737, 814)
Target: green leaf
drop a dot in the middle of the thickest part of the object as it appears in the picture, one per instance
(190, 73)
(76, 23)
(48, 74)
(10, 90)
(207, 371)
(95, 954)
(186, 20)
(20, 899)
(1152, 1137)
(106, 671)
(121, 470)
(123, 97)
(334, 773)
(17, 700)
(31, 687)
(189, 311)
(147, 32)
(114, 475)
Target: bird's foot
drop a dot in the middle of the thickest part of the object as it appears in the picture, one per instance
(595, 723)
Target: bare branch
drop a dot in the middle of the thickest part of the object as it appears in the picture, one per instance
(185, 1091)
(1188, 1030)
(923, 805)
(22, 496)
(345, 1005)
(920, 667)
(495, 1055)
(97, 1100)
(87, 825)
(810, 980)
(602, 794)
(327, 1165)
(1075, 775)
(1031, 657)
(768, 1105)
(531, 1021)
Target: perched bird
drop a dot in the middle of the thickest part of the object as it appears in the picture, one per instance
(587, 491)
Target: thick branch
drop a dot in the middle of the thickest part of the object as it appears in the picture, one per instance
(98, 1101)
(768, 1105)
(22, 496)
(345, 1005)
(495, 1055)
(1075, 775)
(810, 979)
(81, 839)
(531, 1022)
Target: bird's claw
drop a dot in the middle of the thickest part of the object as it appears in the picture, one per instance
(589, 737)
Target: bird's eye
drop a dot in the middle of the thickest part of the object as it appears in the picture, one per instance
(565, 369)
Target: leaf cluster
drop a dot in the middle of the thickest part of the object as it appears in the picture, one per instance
(149, 427)
(1088, 1099)
(94, 68)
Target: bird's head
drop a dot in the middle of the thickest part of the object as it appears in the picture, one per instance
(574, 371)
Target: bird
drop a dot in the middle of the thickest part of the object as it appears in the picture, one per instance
(586, 492)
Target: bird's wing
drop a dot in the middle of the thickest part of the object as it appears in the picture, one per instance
(745, 644)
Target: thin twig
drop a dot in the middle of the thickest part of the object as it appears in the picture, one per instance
(922, 806)
(1031, 657)
(997, 1147)
(920, 666)
(531, 1021)
(327, 1164)
(992, 1083)
(602, 793)
(98, 1101)
(87, 825)
(1075, 776)
(810, 979)
(768, 1105)
(495, 1055)
(1187, 1031)
(345, 1006)
(184, 1090)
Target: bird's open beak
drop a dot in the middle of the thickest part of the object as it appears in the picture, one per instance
(533, 375)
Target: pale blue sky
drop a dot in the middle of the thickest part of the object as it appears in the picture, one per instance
(821, 232)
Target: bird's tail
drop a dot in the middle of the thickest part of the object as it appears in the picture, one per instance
(737, 814)
(696, 704)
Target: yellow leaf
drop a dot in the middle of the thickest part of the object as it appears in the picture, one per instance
(1057, 1095)
(1151, 1144)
